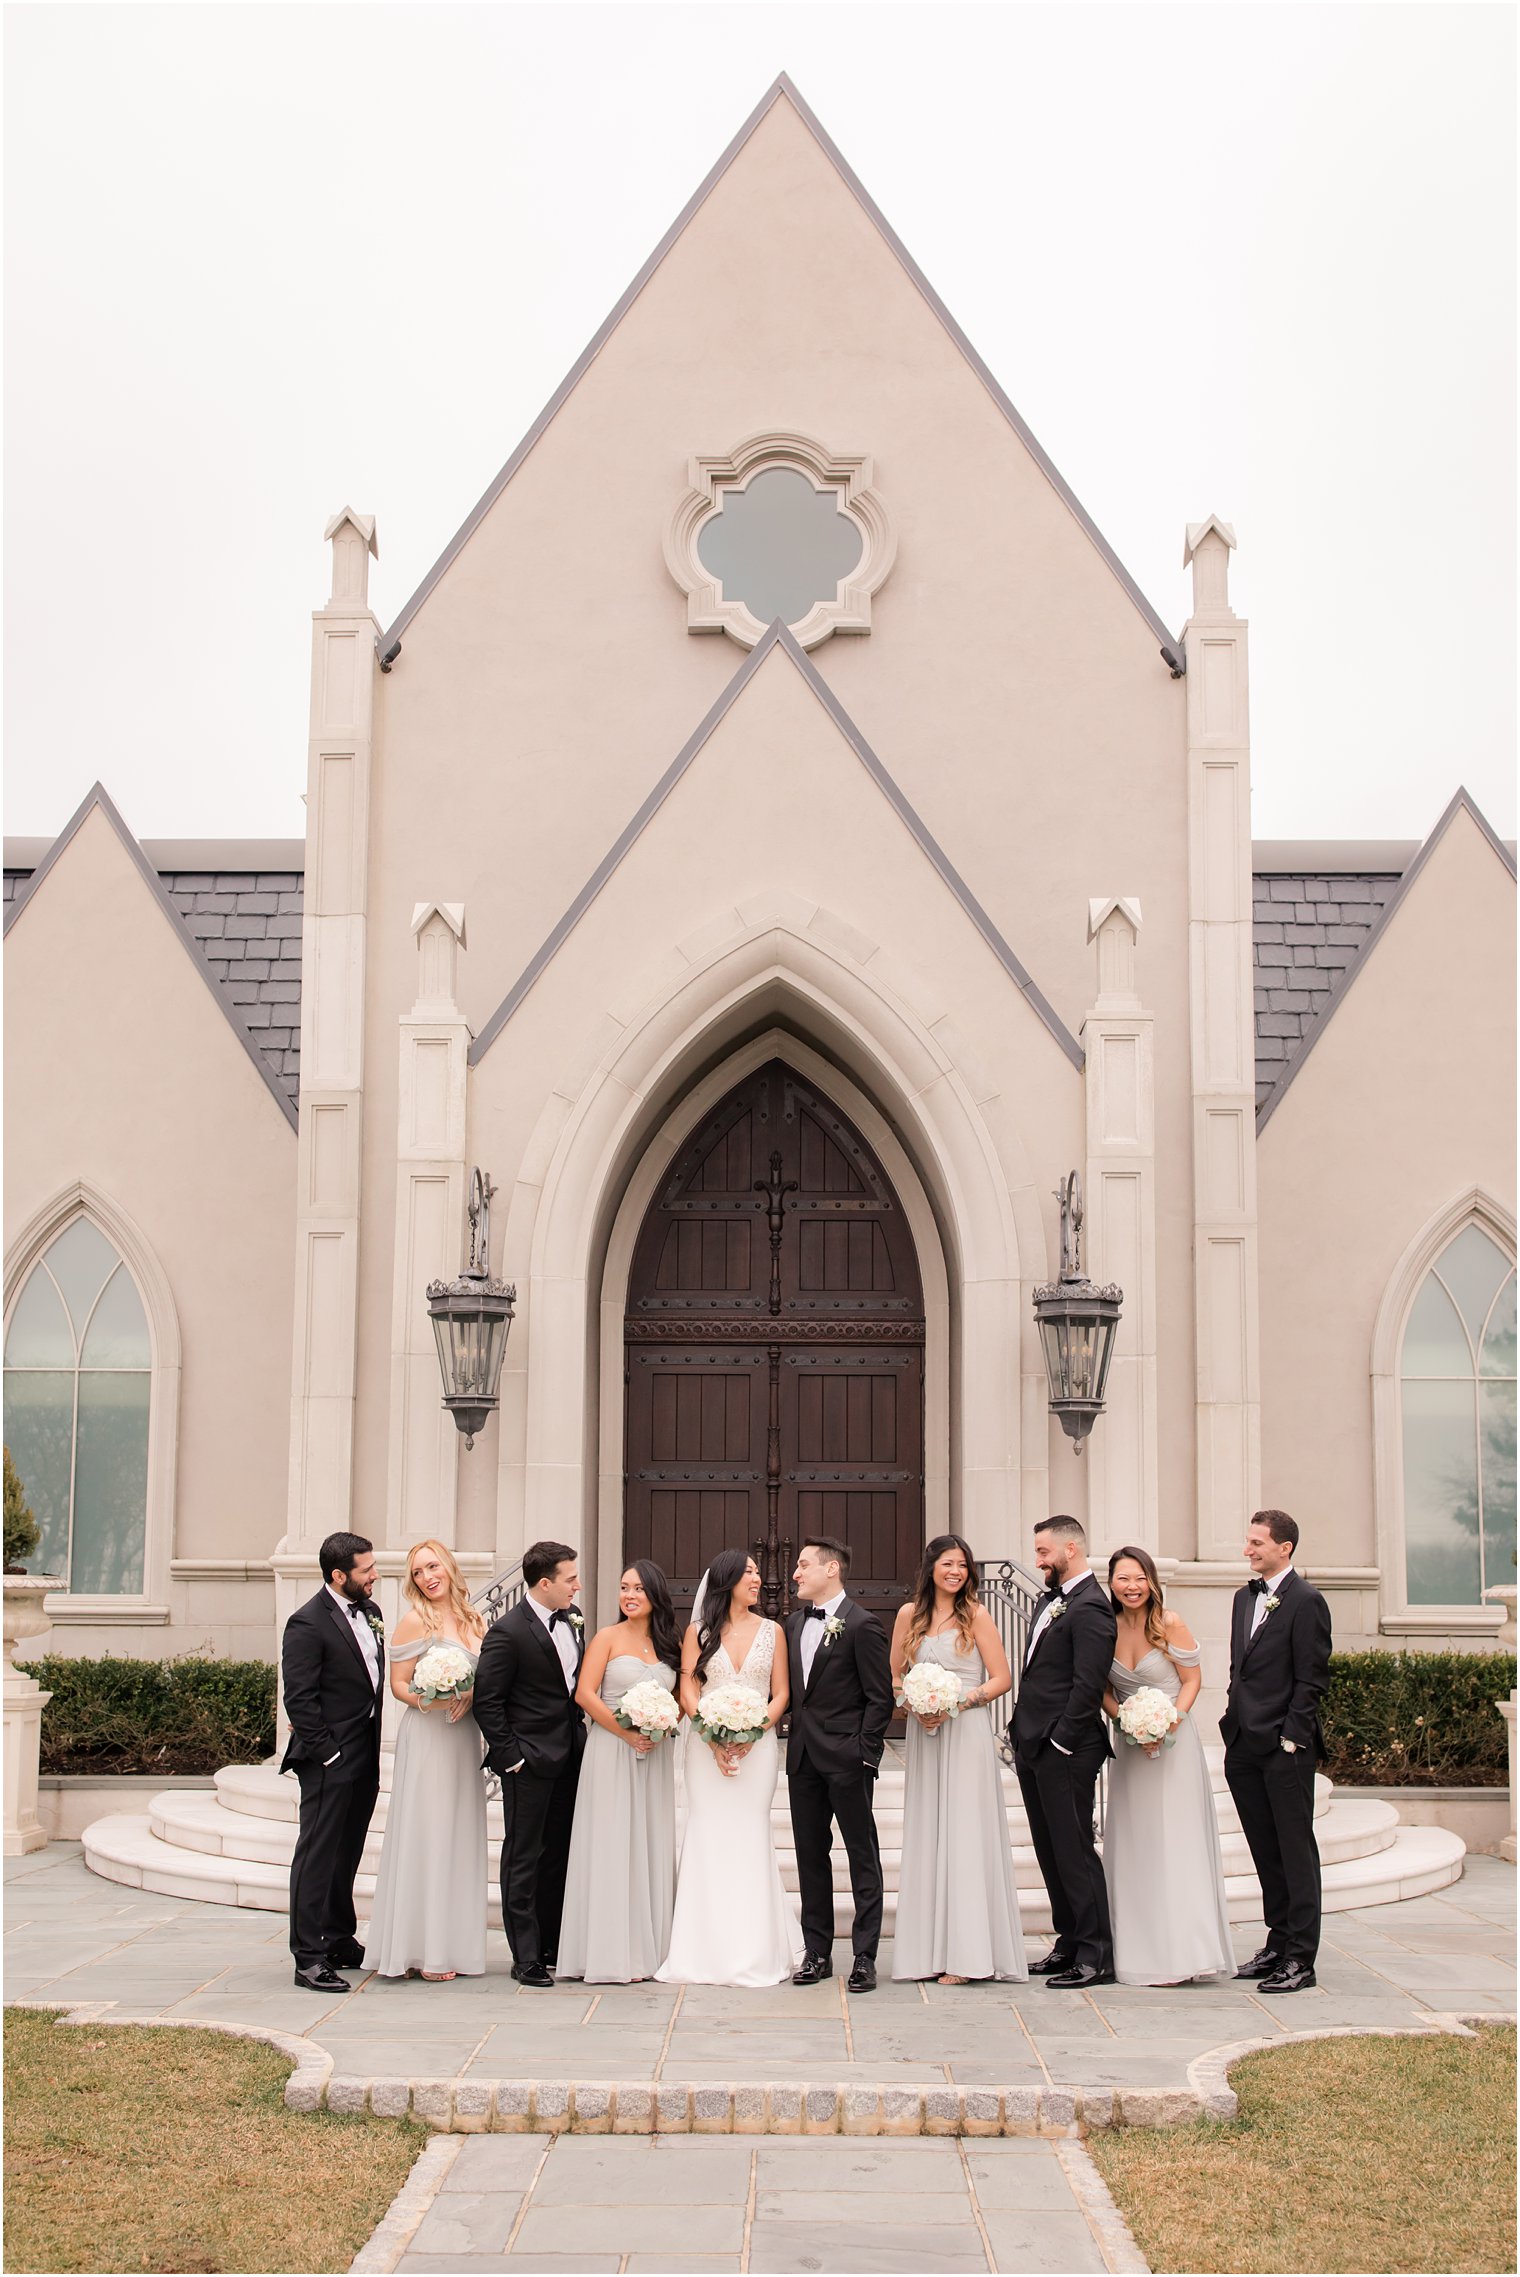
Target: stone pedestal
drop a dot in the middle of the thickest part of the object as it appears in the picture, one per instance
(24, 1702)
(1504, 1593)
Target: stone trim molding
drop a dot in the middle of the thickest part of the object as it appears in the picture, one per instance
(851, 479)
(1397, 1616)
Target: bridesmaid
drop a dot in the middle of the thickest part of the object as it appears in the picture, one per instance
(429, 1912)
(620, 1882)
(1161, 1835)
(957, 1906)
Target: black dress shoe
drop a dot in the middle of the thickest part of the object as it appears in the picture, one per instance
(320, 1979)
(1266, 1963)
(537, 1979)
(815, 1967)
(1053, 1964)
(1293, 1976)
(863, 1975)
(1078, 1978)
(349, 1956)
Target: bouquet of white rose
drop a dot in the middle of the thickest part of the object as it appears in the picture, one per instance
(648, 1709)
(1148, 1718)
(930, 1690)
(443, 1672)
(730, 1715)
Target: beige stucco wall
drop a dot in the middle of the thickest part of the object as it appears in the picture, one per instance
(1009, 683)
(1404, 1106)
(123, 1073)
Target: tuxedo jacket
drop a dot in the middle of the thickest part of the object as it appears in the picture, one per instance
(522, 1704)
(1060, 1695)
(1277, 1675)
(330, 1697)
(840, 1714)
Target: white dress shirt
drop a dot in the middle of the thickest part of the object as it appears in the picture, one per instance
(560, 1636)
(812, 1633)
(362, 1631)
(1273, 1589)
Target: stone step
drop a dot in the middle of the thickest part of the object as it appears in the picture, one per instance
(1411, 1862)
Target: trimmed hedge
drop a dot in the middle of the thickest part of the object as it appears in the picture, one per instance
(154, 1716)
(1418, 1719)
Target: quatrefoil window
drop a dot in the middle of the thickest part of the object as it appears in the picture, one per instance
(780, 528)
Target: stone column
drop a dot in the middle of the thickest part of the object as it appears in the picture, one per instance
(332, 1062)
(1504, 1593)
(24, 1701)
(1123, 1497)
(1228, 1395)
(430, 1216)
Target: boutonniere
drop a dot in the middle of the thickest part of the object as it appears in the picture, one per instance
(1270, 1604)
(1058, 1609)
(833, 1627)
(372, 1615)
(577, 1620)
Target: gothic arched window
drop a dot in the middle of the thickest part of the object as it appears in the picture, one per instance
(78, 1373)
(1457, 1396)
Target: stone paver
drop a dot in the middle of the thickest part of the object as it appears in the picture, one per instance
(73, 1937)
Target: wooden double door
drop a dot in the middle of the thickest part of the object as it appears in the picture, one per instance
(775, 1351)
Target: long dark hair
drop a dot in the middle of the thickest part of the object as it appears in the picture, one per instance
(967, 1598)
(723, 1578)
(1155, 1607)
(663, 1633)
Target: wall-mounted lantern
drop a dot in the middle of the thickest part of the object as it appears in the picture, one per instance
(1077, 1323)
(471, 1317)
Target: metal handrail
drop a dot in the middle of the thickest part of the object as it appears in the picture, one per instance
(499, 1596)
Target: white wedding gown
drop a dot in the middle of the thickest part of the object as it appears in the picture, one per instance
(734, 1924)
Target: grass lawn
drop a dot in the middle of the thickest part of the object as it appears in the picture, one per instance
(1356, 2154)
(172, 2150)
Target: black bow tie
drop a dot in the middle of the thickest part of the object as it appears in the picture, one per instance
(815, 1613)
(355, 1612)
(556, 1618)
(1258, 1587)
(1054, 1591)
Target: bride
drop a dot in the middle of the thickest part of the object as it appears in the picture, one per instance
(733, 1924)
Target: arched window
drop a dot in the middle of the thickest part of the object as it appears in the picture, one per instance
(1457, 1398)
(78, 1374)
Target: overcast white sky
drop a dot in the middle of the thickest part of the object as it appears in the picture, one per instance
(265, 260)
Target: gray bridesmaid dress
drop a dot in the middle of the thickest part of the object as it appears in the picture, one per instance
(957, 1905)
(620, 1884)
(1161, 1846)
(429, 1909)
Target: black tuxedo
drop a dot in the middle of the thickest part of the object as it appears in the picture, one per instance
(1060, 1744)
(530, 1720)
(334, 1706)
(839, 1719)
(1276, 1678)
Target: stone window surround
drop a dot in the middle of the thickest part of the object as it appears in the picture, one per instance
(852, 477)
(1398, 1617)
(148, 1607)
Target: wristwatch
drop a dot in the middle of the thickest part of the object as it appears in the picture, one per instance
(1289, 1746)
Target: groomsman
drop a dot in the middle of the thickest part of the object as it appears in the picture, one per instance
(1279, 1666)
(1060, 1744)
(332, 1659)
(841, 1685)
(530, 1663)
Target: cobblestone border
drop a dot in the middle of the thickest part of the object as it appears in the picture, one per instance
(1116, 2240)
(1209, 2075)
(400, 2222)
(306, 2088)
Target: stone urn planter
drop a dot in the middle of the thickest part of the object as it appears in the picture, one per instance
(24, 1701)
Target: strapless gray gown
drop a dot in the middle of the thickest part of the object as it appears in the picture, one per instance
(957, 1906)
(621, 1879)
(1161, 1847)
(429, 1910)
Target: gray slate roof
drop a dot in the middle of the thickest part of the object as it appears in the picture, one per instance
(1307, 930)
(247, 925)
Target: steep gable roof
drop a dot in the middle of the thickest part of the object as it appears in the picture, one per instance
(1313, 933)
(778, 637)
(248, 1003)
(388, 644)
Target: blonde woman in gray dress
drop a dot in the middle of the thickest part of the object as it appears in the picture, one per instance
(429, 1913)
(1160, 1836)
(620, 1880)
(957, 1905)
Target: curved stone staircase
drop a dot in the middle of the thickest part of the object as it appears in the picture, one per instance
(233, 1846)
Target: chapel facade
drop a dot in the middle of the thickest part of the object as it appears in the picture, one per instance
(776, 843)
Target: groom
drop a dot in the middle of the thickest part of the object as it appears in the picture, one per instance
(1279, 1666)
(530, 1663)
(1060, 1744)
(841, 1683)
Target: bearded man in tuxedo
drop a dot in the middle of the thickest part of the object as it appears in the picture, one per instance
(1060, 1744)
(1279, 1666)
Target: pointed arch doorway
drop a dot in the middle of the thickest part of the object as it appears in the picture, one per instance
(774, 1350)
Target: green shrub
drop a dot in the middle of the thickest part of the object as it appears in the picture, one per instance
(1418, 1719)
(22, 1533)
(154, 1716)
